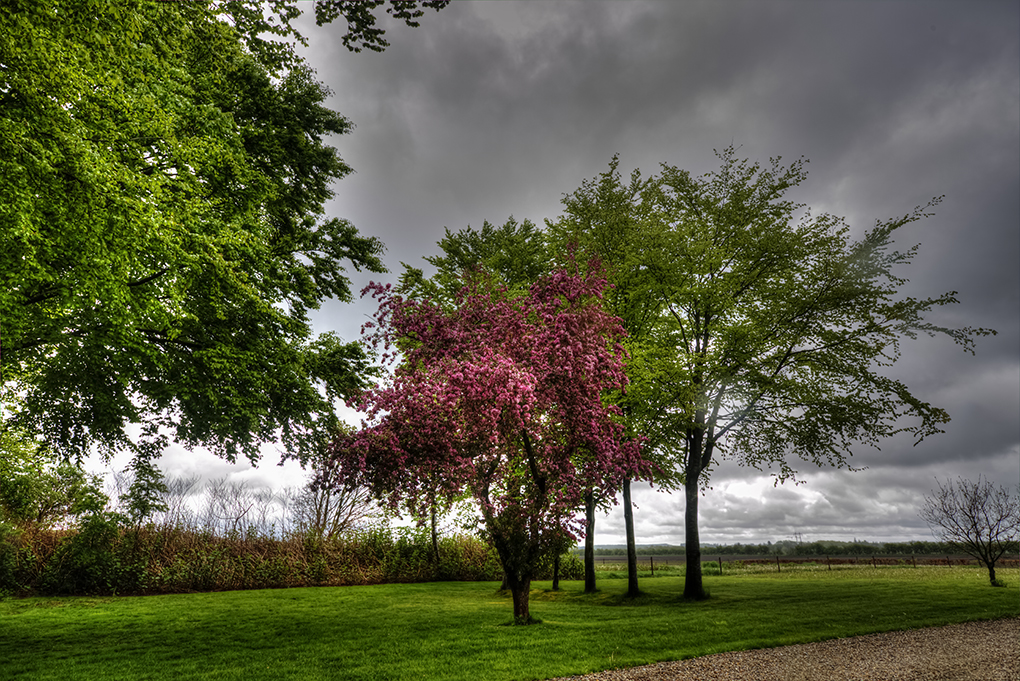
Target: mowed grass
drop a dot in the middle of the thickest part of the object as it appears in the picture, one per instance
(458, 630)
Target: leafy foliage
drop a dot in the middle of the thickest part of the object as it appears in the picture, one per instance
(40, 490)
(163, 231)
(764, 328)
(362, 32)
(104, 555)
(499, 396)
(512, 255)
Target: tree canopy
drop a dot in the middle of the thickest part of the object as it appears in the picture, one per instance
(513, 255)
(499, 396)
(164, 168)
(770, 326)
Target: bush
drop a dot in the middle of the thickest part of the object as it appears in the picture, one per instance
(10, 548)
(87, 562)
(104, 556)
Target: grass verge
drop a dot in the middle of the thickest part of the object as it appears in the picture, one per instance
(454, 630)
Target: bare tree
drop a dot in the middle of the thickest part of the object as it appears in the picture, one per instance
(178, 512)
(328, 513)
(227, 507)
(978, 518)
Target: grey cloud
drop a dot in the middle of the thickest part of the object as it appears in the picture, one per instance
(492, 109)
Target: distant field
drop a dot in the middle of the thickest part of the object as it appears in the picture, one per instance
(456, 630)
(708, 557)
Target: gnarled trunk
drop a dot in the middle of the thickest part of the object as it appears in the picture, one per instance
(990, 564)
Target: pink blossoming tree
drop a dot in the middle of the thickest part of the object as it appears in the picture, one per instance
(498, 397)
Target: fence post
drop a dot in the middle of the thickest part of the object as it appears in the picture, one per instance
(720, 566)
(778, 569)
(651, 562)
(873, 563)
(828, 562)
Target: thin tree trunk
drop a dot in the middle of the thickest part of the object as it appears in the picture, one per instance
(556, 573)
(589, 543)
(991, 571)
(694, 588)
(628, 517)
(435, 538)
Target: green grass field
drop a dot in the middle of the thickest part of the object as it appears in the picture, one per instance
(456, 630)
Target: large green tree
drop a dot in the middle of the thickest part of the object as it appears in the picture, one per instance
(163, 168)
(775, 329)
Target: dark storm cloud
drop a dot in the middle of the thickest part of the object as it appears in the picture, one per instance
(465, 118)
(491, 109)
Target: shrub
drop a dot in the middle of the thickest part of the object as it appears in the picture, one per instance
(87, 562)
(10, 547)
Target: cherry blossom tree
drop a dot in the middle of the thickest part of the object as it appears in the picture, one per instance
(501, 397)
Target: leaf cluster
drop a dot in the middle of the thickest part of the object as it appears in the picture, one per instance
(758, 330)
(42, 491)
(500, 396)
(163, 231)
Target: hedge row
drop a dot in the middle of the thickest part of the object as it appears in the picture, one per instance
(103, 557)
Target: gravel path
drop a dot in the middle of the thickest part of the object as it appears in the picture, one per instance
(974, 651)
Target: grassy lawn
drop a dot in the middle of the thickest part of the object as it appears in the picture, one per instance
(457, 630)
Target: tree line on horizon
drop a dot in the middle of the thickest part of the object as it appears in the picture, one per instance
(823, 547)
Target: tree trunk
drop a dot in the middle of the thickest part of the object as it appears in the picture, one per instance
(556, 573)
(991, 571)
(520, 591)
(589, 543)
(694, 589)
(628, 518)
(435, 538)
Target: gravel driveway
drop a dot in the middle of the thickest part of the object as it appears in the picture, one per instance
(974, 651)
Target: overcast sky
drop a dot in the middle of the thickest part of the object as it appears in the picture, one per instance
(492, 109)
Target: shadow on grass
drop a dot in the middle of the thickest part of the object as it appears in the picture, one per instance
(613, 598)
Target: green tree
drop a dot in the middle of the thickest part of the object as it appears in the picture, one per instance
(41, 490)
(147, 492)
(511, 255)
(162, 234)
(606, 218)
(777, 329)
